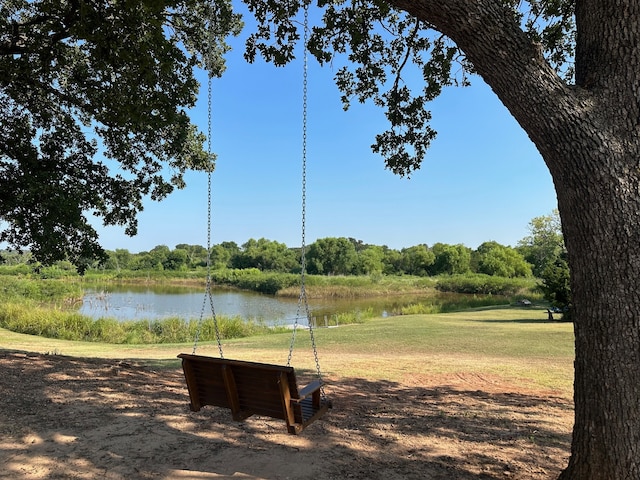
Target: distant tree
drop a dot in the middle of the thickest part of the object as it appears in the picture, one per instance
(264, 255)
(392, 261)
(159, 255)
(359, 245)
(417, 260)
(221, 257)
(545, 243)
(370, 260)
(119, 259)
(225, 254)
(144, 261)
(14, 257)
(450, 259)
(556, 286)
(232, 247)
(196, 254)
(176, 259)
(501, 261)
(331, 256)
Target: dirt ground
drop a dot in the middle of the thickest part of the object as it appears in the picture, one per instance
(75, 418)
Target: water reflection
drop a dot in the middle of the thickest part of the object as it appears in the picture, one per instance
(151, 303)
(156, 303)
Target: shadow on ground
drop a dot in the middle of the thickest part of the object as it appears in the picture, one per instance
(63, 417)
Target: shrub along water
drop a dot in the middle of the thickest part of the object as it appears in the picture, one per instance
(56, 323)
(486, 284)
(18, 288)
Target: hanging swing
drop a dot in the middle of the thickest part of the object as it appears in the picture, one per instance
(252, 388)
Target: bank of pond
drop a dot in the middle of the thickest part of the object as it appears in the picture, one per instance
(172, 310)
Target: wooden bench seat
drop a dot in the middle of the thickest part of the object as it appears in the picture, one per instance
(250, 388)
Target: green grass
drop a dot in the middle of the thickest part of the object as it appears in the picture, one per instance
(517, 345)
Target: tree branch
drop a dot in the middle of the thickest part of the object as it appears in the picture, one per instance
(414, 33)
(490, 35)
(19, 43)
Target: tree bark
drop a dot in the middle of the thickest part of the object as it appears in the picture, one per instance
(588, 135)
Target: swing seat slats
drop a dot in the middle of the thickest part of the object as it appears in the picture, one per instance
(251, 388)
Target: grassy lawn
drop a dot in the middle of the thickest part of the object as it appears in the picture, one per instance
(516, 344)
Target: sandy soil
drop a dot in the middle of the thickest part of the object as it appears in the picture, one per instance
(74, 418)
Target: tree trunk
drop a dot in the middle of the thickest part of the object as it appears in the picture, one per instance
(599, 210)
(600, 218)
(589, 138)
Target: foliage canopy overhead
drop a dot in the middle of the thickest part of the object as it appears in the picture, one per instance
(398, 61)
(94, 97)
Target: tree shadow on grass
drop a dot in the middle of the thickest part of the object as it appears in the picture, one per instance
(538, 321)
(63, 417)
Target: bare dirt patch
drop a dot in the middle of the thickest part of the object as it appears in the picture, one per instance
(76, 418)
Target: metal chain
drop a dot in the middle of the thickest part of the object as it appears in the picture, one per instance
(302, 300)
(208, 296)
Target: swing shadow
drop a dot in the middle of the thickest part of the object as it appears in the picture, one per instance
(110, 419)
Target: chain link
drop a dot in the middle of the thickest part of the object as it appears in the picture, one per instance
(302, 299)
(208, 295)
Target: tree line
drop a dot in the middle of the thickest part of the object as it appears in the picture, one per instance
(332, 256)
(541, 254)
(534, 254)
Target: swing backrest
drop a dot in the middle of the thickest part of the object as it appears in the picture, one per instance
(248, 388)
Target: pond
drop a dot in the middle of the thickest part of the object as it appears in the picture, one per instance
(157, 302)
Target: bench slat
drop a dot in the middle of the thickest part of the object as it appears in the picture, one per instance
(248, 388)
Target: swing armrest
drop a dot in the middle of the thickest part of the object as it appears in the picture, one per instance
(308, 390)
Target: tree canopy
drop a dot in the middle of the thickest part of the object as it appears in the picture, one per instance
(94, 99)
(545, 242)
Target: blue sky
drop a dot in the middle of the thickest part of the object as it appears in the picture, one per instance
(482, 179)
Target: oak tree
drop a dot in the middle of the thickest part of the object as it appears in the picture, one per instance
(569, 73)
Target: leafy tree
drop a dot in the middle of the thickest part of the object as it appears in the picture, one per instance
(371, 260)
(265, 254)
(392, 261)
(145, 261)
(14, 257)
(93, 102)
(120, 259)
(196, 254)
(544, 248)
(220, 257)
(499, 260)
(176, 260)
(158, 256)
(417, 260)
(450, 259)
(545, 243)
(568, 71)
(331, 256)
(556, 286)
(359, 245)
(223, 254)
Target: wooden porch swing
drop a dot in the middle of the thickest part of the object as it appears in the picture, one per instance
(251, 388)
